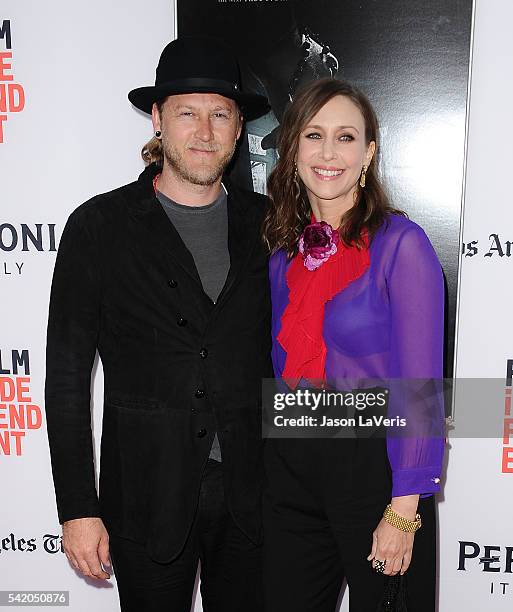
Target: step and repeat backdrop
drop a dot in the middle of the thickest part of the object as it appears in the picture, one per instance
(476, 530)
(67, 132)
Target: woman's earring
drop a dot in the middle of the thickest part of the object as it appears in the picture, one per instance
(158, 134)
(296, 183)
(363, 176)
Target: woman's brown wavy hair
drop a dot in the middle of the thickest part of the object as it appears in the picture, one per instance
(289, 211)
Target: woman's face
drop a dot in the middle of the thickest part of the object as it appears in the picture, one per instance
(332, 151)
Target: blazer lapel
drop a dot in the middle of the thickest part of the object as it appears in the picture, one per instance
(160, 231)
(165, 234)
(241, 238)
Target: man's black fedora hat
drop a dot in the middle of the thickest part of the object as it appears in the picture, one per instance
(198, 65)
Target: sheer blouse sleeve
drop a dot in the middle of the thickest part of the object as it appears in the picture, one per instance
(416, 295)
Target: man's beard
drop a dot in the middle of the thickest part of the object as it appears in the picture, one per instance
(207, 175)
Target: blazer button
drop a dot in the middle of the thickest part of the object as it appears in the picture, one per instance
(199, 393)
(202, 433)
(181, 321)
(203, 353)
(172, 283)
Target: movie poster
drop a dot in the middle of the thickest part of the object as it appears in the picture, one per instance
(411, 57)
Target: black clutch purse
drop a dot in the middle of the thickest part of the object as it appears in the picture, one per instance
(394, 595)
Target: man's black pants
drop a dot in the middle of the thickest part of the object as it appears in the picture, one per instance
(230, 563)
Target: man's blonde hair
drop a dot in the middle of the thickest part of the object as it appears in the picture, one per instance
(152, 151)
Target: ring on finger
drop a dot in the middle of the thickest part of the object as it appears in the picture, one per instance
(379, 566)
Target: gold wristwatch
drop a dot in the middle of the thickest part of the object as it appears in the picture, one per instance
(398, 521)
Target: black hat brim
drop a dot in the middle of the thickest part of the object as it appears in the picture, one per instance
(252, 105)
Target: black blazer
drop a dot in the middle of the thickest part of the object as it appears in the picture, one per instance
(176, 367)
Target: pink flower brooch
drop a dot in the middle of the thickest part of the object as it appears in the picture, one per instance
(317, 244)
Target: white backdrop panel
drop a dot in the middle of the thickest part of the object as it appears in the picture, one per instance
(478, 495)
(76, 136)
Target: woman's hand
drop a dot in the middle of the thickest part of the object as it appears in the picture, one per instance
(391, 544)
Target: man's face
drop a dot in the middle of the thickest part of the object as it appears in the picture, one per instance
(199, 134)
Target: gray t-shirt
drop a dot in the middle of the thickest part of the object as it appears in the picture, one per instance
(204, 231)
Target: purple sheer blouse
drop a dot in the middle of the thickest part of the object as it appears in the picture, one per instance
(388, 324)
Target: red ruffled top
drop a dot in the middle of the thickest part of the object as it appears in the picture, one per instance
(302, 321)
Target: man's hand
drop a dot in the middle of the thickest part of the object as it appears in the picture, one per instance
(86, 544)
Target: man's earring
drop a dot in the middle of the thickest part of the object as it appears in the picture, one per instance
(158, 134)
(363, 176)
